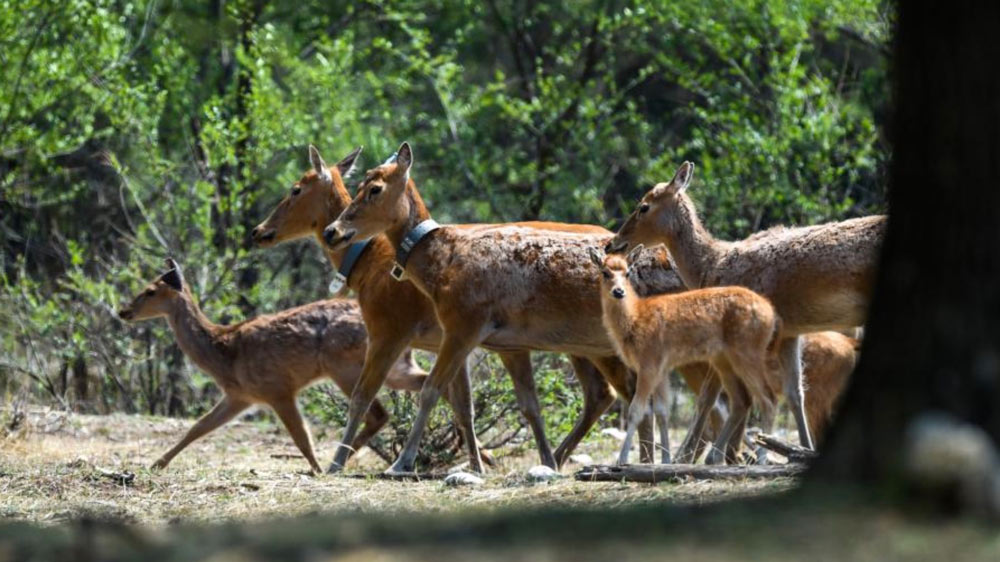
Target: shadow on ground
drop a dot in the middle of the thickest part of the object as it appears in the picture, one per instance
(792, 526)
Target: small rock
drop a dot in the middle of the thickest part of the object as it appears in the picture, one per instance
(582, 458)
(614, 433)
(458, 468)
(463, 479)
(542, 473)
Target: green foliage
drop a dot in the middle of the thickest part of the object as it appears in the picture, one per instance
(135, 130)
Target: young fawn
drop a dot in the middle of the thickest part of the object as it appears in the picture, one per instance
(732, 328)
(269, 359)
(817, 277)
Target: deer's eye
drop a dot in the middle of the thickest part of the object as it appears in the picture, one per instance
(296, 190)
(375, 190)
(606, 274)
(643, 207)
(150, 292)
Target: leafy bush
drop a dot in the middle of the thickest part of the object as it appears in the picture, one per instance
(134, 130)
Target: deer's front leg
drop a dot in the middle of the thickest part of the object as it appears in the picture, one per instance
(379, 359)
(451, 357)
(225, 410)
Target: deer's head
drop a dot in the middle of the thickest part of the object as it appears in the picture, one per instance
(657, 214)
(615, 271)
(380, 203)
(157, 298)
(311, 203)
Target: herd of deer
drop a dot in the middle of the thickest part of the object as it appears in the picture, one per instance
(757, 318)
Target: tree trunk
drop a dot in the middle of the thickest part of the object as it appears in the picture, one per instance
(81, 384)
(933, 334)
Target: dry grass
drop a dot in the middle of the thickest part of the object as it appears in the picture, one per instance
(54, 469)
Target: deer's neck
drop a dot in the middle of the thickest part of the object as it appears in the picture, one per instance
(337, 201)
(692, 247)
(619, 318)
(418, 213)
(198, 338)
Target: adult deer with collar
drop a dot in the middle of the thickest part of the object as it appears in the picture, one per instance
(500, 286)
(398, 314)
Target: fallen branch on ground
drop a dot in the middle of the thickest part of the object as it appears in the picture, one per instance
(793, 453)
(407, 476)
(653, 473)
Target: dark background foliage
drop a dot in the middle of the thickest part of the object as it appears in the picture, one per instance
(131, 131)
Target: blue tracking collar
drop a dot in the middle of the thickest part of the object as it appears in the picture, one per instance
(354, 252)
(409, 242)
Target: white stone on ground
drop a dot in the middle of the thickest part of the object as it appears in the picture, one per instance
(542, 473)
(582, 458)
(614, 433)
(462, 479)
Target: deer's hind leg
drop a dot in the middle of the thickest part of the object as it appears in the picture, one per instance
(791, 364)
(705, 407)
(519, 367)
(661, 409)
(597, 397)
(288, 411)
(739, 410)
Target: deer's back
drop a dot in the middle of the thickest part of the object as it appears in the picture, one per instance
(285, 351)
(817, 276)
(699, 325)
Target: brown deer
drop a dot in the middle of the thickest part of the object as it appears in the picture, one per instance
(828, 359)
(269, 359)
(508, 286)
(817, 277)
(732, 328)
(397, 314)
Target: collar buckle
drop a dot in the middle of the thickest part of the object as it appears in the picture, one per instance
(397, 272)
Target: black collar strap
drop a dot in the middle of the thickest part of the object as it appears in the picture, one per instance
(409, 242)
(352, 256)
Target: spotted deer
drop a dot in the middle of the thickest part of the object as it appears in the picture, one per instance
(269, 359)
(817, 277)
(398, 314)
(732, 328)
(505, 286)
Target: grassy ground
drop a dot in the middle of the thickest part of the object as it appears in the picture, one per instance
(56, 469)
(229, 498)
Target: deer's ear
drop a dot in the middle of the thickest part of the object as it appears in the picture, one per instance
(346, 166)
(678, 184)
(682, 178)
(634, 254)
(595, 256)
(404, 158)
(319, 165)
(174, 278)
